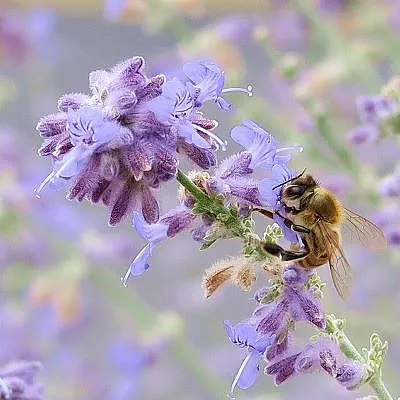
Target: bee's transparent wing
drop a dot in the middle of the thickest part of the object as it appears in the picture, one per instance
(359, 229)
(342, 275)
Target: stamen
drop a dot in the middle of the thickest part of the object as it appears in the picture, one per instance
(291, 148)
(124, 279)
(237, 377)
(52, 176)
(5, 391)
(43, 184)
(219, 141)
(249, 90)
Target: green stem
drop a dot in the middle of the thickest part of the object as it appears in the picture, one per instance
(376, 382)
(379, 388)
(192, 188)
(145, 317)
(350, 351)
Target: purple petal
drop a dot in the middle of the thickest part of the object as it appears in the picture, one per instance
(295, 276)
(283, 369)
(243, 334)
(263, 342)
(350, 374)
(152, 233)
(139, 264)
(257, 141)
(305, 306)
(250, 372)
(235, 165)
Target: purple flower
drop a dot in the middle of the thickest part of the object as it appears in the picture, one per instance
(261, 145)
(209, 81)
(294, 303)
(245, 336)
(270, 190)
(18, 381)
(363, 134)
(87, 131)
(233, 176)
(374, 108)
(168, 226)
(350, 374)
(390, 185)
(110, 143)
(321, 355)
(176, 107)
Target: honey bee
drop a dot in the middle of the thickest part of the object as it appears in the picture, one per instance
(318, 217)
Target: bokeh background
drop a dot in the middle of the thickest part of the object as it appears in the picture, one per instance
(61, 300)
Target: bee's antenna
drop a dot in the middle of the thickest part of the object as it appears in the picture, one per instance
(289, 180)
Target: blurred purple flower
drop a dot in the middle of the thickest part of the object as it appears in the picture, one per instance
(209, 80)
(288, 30)
(238, 29)
(363, 134)
(372, 109)
(23, 34)
(245, 336)
(113, 9)
(390, 185)
(130, 360)
(18, 381)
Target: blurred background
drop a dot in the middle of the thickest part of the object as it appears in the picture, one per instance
(61, 301)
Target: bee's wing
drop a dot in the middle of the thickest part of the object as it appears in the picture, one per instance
(359, 229)
(342, 275)
(340, 268)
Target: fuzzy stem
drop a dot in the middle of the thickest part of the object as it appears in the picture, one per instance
(379, 388)
(350, 351)
(192, 188)
(376, 382)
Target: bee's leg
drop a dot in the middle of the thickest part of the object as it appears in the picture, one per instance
(263, 211)
(285, 255)
(289, 223)
(294, 227)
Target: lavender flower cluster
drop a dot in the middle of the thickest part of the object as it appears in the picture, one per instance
(268, 335)
(119, 144)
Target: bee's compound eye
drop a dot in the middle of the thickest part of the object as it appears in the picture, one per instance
(295, 190)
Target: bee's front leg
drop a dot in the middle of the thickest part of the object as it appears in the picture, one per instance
(285, 255)
(292, 226)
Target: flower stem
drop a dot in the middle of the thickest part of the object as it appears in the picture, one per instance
(351, 352)
(192, 188)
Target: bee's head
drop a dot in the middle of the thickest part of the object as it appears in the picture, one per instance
(297, 188)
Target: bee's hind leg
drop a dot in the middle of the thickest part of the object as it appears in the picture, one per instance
(285, 255)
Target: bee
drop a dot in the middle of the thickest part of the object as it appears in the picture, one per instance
(319, 218)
